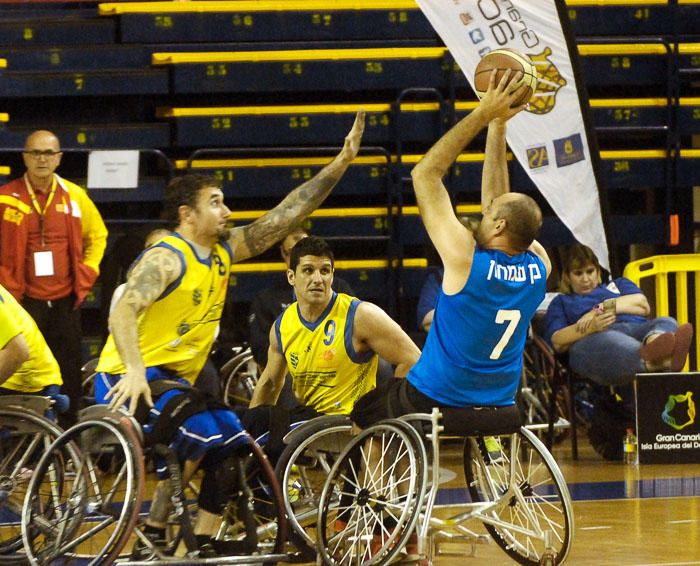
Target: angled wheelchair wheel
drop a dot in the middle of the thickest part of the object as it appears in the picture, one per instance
(89, 516)
(239, 376)
(254, 521)
(302, 470)
(24, 437)
(370, 503)
(533, 500)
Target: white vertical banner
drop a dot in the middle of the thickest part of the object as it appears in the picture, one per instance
(549, 139)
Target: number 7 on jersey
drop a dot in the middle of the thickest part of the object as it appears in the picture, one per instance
(512, 317)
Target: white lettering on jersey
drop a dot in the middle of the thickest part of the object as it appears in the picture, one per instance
(513, 272)
(535, 273)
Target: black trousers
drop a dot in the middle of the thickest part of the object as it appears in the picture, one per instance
(59, 322)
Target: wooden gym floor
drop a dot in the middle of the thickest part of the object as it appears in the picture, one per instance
(645, 515)
(624, 515)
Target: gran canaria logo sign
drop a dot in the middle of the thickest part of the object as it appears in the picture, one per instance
(673, 411)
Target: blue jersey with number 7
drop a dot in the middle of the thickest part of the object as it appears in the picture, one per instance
(473, 355)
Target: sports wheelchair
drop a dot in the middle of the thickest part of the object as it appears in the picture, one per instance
(380, 493)
(25, 434)
(92, 514)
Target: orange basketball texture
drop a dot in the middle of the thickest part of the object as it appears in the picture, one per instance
(503, 59)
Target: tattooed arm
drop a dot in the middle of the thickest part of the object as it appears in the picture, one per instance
(255, 238)
(157, 268)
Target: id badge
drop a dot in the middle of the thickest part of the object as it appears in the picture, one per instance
(43, 263)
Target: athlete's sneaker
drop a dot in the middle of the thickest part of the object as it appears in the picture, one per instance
(493, 449)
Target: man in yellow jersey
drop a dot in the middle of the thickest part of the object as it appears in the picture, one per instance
(164, 324)
(27, 365)
(329, 342)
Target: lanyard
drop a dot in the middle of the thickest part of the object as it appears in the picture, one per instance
(35, 204)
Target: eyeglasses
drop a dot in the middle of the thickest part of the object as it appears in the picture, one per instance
(37, 153)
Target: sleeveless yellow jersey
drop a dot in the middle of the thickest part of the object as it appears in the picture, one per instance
(41, 369)
(177, 331)
(327, 374)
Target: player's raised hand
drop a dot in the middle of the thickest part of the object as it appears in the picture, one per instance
(498, 100)
(354, 137)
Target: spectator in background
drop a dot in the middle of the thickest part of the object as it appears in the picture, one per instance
(609, 346)
(52, 239)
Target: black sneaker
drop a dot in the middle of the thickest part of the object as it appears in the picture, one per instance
(157, 544)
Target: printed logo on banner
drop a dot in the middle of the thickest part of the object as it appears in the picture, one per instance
(673, 411)
(537, 157)
(549, 81)
(568, 150)
(477, 36)
(466, 18)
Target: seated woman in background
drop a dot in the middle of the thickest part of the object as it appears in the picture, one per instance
(605, 327)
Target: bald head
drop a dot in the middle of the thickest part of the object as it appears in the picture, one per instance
(43, 138)
(523, 218)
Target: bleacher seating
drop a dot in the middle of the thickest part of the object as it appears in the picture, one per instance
(318, 124)
(259, 93)
(369, 278)
(101, 136)
(84, 83)
(59, 30)
(305, 20)
(309, 70)
(273, 177)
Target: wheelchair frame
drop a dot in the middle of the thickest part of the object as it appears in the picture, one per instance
(115, 508)
(25, 433)
(526, 518)
(311, 448)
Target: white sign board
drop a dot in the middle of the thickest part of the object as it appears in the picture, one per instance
(113, 169)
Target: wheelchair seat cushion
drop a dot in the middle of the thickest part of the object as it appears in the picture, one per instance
(481, 421)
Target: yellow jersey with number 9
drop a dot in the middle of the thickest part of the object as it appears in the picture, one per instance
(328, 375)
(177, 331)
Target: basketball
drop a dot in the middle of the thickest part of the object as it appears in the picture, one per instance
(503, 59)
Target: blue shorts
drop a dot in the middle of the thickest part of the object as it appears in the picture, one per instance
(214, 433)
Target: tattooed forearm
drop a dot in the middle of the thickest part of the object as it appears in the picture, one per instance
(296, 206)
(150, 277)
(147, 281)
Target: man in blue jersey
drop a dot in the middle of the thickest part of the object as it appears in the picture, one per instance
(494, 278)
